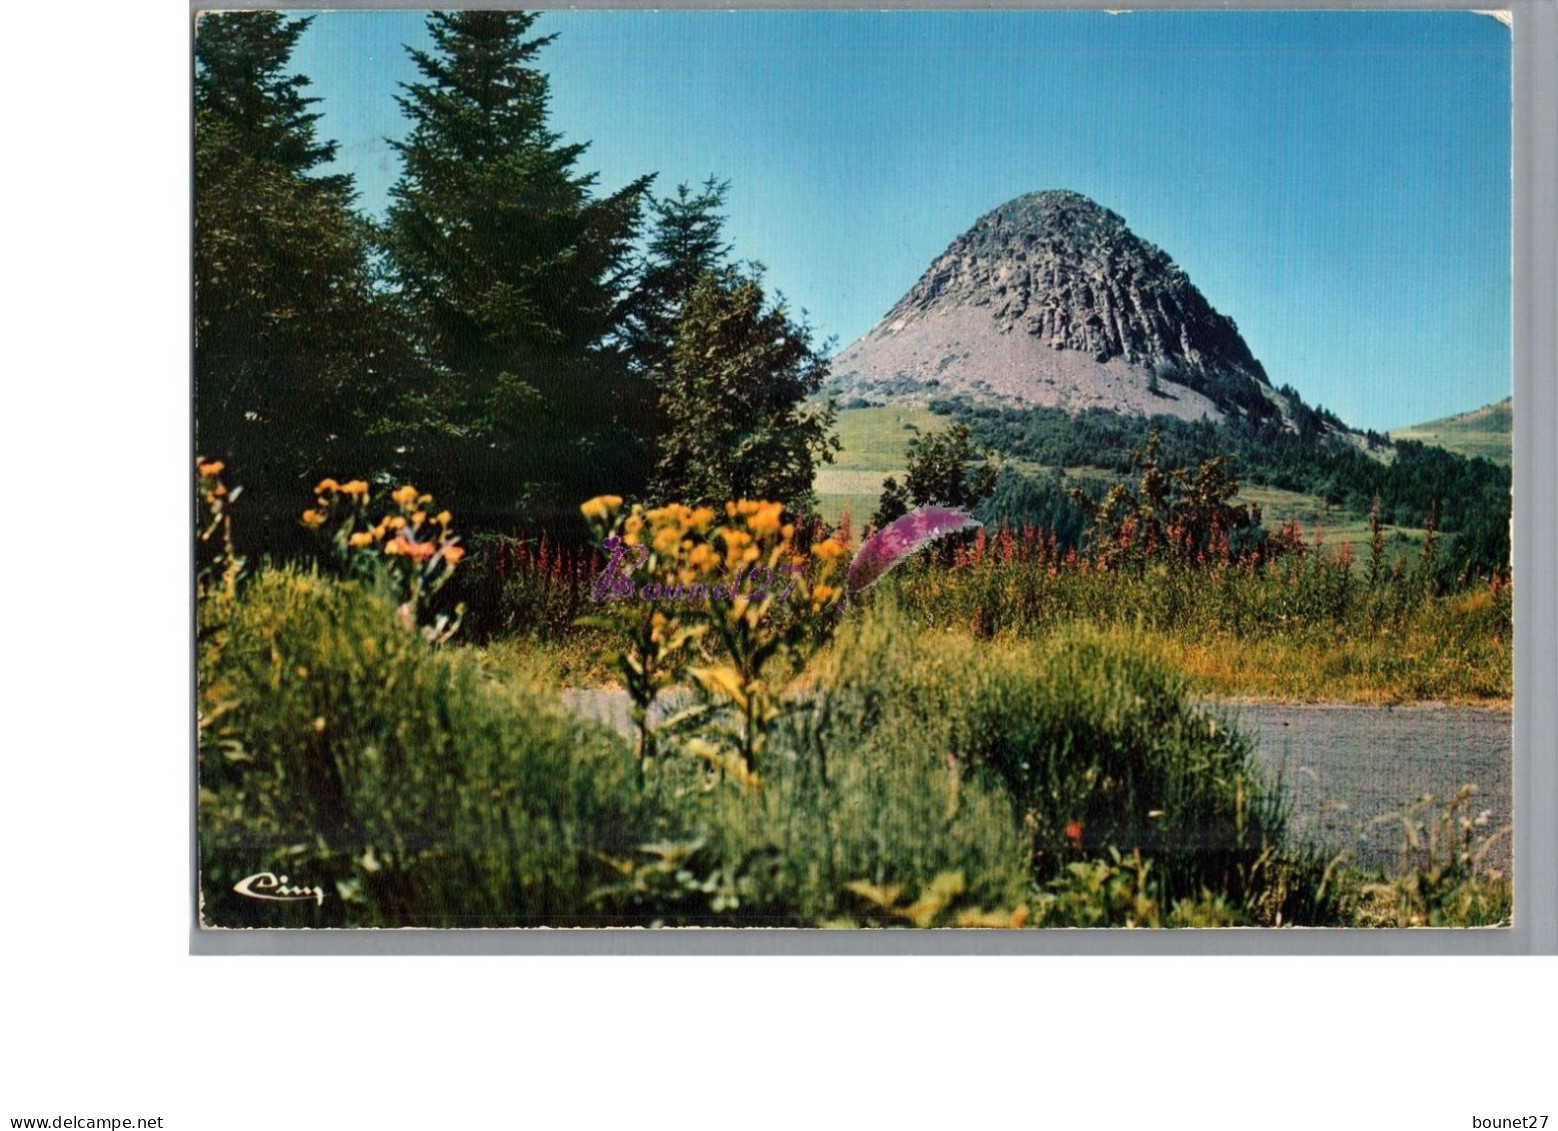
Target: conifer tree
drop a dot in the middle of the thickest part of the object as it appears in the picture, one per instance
(293, 358)
(686, 242)
(513, 272)
(738, 393)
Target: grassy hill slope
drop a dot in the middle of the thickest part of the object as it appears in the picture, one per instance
(1482, 432)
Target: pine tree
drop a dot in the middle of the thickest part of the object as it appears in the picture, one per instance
(737, 397)
(293, 357)
(945, 469)
(513, 272)
(686, 243)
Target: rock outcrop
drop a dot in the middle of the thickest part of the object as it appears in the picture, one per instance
(1051, 299)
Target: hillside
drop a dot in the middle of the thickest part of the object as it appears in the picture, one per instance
(1484, 432)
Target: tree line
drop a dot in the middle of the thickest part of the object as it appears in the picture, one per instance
(1415, 486)
(508, 336)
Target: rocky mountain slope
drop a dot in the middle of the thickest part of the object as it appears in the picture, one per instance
(1051, 300)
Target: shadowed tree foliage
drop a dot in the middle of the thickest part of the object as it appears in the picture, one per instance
(1171, 507)
(687, 242)
(945, 469)
(512, 271)
(295, 362)
(734, 394)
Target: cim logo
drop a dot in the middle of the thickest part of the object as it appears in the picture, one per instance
(268, 885)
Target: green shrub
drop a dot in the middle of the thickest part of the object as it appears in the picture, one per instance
(342, 750)
(1095, 745)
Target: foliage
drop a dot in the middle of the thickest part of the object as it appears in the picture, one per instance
(735, 400)
(1092, 740)
(217, 563)
(1442, 879)
(341, 750)
(511, 272)
(1041, 502)
(399, 538)
(677, 575)
(1470, 498)
(944, 469)
(1307, 624)
(686, 242)
(420, 788)
(296, 361)
(1172, 511)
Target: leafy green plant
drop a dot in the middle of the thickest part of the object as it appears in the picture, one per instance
(678, 578)
(345, 752)
(399, 537)
(1092, 740)
(1442, 879)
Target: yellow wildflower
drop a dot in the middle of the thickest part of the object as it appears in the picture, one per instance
(827, 551)
(355, 487)
(325, 485)
(765, 519)
(405, 496)
(395, 522)
(365, 538)
(443, 518)
(313, 519)
(600, 508)
(667, 540)
(214, 467)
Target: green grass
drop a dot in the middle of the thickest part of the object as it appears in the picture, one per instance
(1483, 432)
(1337, 525)
(874, 439)
(926, 777)
(873, 442)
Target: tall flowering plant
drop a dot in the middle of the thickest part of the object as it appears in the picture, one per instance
(719, 599)
(217, 563)
(396, 534)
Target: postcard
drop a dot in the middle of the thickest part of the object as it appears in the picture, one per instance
(1007, 470)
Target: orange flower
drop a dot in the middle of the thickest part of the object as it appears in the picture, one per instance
(419, 551)
(765, 518)
(365, 538)
(326, 485)
(1074, 832)
(214, 467)
(355, 487)
(453, 554)
(313, 519)
(405, 496)
(600, 508)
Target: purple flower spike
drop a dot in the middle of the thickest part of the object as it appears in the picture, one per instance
(897, 540)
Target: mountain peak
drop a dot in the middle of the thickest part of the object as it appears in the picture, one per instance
(1050, 298)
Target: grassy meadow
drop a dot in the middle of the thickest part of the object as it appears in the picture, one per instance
(873, 444)
(998, 735)
(871, 447)
(1483, 432)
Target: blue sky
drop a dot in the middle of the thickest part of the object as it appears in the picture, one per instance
(1336, 182)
